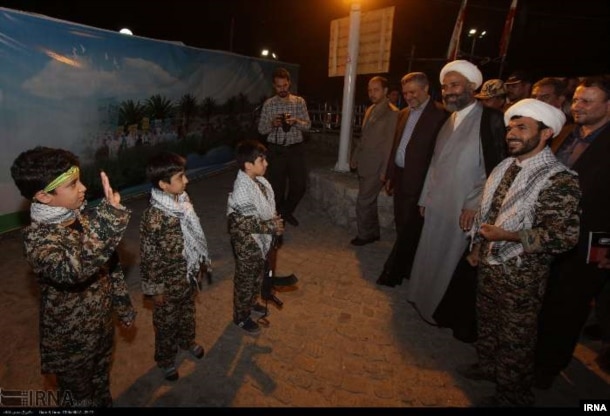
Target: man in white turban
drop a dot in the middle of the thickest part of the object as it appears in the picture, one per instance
(468, 146)
(467, 69)
(529, 213)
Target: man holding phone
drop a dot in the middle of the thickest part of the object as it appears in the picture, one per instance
(283, 120)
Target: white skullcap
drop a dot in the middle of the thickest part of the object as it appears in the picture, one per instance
(469, 70)
(539, 111)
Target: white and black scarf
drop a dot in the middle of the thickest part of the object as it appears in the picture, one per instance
(249, 200)
(518, 208)
(47, 214)
(195, 245)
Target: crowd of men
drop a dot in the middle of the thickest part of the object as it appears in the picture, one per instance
(496, 192)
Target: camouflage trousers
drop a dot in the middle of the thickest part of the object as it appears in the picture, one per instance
(509, 299)
(249, 266)
(89, 385)
(174, 324)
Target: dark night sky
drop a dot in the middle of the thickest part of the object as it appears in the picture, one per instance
(550, 37)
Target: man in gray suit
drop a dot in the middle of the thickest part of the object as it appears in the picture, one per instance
(370, 158)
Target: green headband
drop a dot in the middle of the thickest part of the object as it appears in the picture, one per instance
(70, 174)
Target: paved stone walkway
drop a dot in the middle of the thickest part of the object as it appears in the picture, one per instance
(339, 341)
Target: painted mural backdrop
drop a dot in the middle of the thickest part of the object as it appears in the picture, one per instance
(114, 99)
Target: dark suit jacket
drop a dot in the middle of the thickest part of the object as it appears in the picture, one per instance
(419, 149)
(593, 168)
(493, 134)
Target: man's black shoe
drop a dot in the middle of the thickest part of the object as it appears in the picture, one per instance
(384, 279)
(284, 280)
(543, 382)
(603, 359)
(474, 372)
(290, 219)
(593, 332)
(363, 241)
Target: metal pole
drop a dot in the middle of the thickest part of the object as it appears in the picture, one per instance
(411, 58)
(349, 85)
(474, 41)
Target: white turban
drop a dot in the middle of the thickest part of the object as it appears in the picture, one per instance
(469, 70)
(539, 111)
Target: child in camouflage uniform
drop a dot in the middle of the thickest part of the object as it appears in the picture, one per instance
(81, 281)
(174, 256)
(252, 222)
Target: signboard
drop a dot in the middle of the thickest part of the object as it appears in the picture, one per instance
(374, 47)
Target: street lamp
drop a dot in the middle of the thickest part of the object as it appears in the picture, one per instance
(266, 53)
(474, 34)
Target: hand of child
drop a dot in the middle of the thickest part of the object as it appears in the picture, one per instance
(159, 300)
(279, 225)
(127, 324)
(113, 198)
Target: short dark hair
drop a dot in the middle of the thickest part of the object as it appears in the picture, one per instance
(600, 81)
(382, 80)
(34, 169)
(248, 151)
(559, 85)
(164, 165)
(281, 73)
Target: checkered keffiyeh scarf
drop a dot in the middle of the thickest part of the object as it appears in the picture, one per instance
(46, 214)
(518, 207)
(248, 199)
(195, 245)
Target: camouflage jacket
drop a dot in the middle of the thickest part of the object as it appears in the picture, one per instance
(556, 225)
(81, 284)
(162, 263)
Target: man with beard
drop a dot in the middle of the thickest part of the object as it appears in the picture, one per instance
(370, 158)
(284, 118)
(468, 146)
(574, 283)
(529, 213)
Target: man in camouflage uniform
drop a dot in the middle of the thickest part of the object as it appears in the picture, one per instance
(169, 231)
(81, 281)
(528, 214)
(252, 223)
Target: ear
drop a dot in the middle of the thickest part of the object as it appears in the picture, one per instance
(547, 134)
(163, 185)
(43, 197)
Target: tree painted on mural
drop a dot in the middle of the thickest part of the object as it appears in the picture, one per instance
(131, 112)
(187, 110)
(159, 107)
(208, 108)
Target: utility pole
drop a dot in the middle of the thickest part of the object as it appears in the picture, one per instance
(349, 86)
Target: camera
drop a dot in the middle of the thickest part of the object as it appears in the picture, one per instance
(284, 117)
